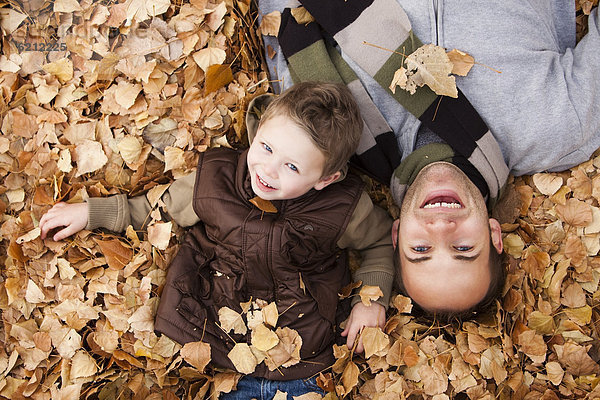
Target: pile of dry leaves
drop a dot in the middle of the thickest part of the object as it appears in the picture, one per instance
(100, 97)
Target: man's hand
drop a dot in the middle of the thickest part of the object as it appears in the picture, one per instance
(361, 316)
(74, 217)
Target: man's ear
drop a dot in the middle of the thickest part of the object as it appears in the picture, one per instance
(496, 235)
(395, 233)
(327, 180)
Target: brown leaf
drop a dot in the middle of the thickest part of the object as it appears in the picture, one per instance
(575, 359)
(117, 255)
(374, 340)
(369, 293)
(547, 184)
(533, 345)
(575, 212)
(302, 16)
(231, 320)
(242, 358)
(263, 338)
(350, 377)
(263, 205)
(580, 184)
(270, 314)
(346, 291)
(196, 354)
(217, 76)
(535, 262)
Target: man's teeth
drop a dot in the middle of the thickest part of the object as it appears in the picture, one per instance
(442, 204)
(265, 183)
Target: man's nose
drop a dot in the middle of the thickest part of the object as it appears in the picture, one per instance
(270, 168)
(444, 225)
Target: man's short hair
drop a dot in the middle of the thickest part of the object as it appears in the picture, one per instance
(328, 113)
(496, 263)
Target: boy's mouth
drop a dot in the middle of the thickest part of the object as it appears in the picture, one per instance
(263, 182)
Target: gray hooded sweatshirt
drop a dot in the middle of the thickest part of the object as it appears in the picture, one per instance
(542, 106)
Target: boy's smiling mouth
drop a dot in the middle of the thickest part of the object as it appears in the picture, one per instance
(264, 183)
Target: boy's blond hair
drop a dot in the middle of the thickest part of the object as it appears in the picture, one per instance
(328, 113)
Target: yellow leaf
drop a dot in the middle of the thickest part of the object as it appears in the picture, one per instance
(196, 354)
(403, 304)
(263, 338)
(126, 93)
(263, 205)
(302, 16)
(461, 62)
(513, 245)
(541, 323)
(270, 24)
(242, 358)
(374, 340)
(581, 316)
(217, 76)
(230, 319)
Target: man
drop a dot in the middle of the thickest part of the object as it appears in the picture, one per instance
(538, 97)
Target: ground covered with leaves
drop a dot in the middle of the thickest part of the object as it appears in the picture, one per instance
(101, 97)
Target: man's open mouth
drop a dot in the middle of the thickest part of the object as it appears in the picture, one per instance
(442, 201)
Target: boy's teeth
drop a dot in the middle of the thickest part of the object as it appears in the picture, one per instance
(442, 204)
(265, 183)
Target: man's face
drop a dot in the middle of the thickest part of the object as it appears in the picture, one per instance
(444, 240)
(284, 162)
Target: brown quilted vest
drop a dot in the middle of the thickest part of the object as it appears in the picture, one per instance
(240, 253)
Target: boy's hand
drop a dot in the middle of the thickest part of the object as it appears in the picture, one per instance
(361, 316)
(74, 217)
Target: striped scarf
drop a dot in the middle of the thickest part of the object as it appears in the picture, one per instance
(311, 56)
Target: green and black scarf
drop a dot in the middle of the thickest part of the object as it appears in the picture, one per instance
(311, 55)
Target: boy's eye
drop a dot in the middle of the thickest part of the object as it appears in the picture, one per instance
(292, 167)
(420, 249)
(267, 148)
(463, 248)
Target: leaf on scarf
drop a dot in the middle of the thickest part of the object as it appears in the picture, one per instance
(400, 79)
(242, 358)
(263, 205)
(270, 24)
(369, 293)
(217, 76)
(230, 319)
(461, 62)
(197, 354)
(302, 16)
(429, 65)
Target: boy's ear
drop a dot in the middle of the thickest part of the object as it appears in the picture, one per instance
(327, 180)
(395, 233)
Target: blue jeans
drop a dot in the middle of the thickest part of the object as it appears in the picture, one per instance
(250, 387)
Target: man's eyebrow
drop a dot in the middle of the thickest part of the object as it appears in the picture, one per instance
(467, 258)
(417, 260)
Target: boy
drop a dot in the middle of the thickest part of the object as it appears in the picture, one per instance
(286, 253)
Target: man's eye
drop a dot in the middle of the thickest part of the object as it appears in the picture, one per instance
(463, 248)
(292, 167)
(267, 148)
(420, 249)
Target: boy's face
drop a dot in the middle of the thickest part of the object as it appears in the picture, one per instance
(283, 161)
(444, 240)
